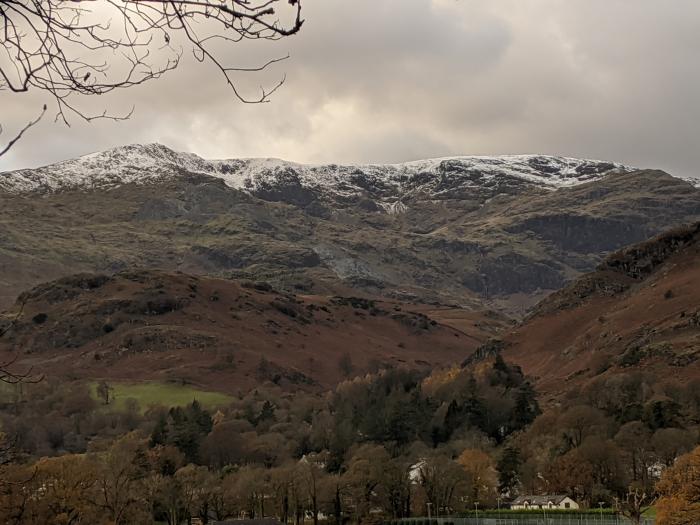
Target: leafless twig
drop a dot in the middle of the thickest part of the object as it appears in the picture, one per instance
(75, 48)
(19, 135)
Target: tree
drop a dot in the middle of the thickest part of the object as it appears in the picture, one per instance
(281, 481)
(249, 487)
(365, 472)
(186, 428)
(509, 471)
(397, 488)
(267, 413)
(223, 446)
(7, 375)
(310, 475)
(61, 490)
(335, 491)
(526, 406)
(679, 490)
(104, 392)
(481, 475)
(669, 443)
(10, 377)
(634, 504)
(580, 421)
(633, 438)
(196, 486)
(82, 48)
(440, 478)
(168, 499)
(120, 471)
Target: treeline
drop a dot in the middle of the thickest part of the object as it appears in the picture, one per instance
(134, 482)
(618, 432)
(379, 447)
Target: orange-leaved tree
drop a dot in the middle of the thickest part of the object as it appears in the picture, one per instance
(679, 490)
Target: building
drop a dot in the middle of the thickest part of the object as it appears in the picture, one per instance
(547, 501)
(257, 521)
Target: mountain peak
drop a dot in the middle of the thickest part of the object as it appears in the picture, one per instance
(385, 183)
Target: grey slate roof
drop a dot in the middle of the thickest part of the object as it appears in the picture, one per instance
(261, 521)
(543, 500)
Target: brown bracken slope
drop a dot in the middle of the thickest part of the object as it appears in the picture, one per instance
(639, 311)
(225, 335)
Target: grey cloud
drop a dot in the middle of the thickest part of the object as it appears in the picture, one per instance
(391, 80)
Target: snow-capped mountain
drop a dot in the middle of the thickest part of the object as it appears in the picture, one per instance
(389, 186)
(454, 230)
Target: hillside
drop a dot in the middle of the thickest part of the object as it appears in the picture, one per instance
(639, 311)
(464, 231)
(225, 335)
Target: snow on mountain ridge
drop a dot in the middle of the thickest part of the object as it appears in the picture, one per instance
(153, 163)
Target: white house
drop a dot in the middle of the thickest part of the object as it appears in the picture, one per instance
(547, 501)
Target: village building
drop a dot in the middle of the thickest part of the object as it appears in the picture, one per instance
(547, 501)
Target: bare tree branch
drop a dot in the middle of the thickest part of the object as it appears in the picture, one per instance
(19, 135)
(76, 48)
(6, 375)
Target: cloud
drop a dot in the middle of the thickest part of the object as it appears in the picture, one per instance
(392, 80)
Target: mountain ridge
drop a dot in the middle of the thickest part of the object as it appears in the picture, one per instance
(455, 232)
(148, 163)
(637, 312)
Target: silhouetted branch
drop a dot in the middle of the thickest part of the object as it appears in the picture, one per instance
(88, 47)
(19, 135)
(6, 375)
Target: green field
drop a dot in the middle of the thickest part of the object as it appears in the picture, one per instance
(161, 394)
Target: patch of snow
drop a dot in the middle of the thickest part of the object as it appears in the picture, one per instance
(394, 208)
(691, 180)
(386, 184)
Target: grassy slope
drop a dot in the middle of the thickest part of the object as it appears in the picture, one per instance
(153, 393)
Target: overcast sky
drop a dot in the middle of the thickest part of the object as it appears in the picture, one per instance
(395, 80)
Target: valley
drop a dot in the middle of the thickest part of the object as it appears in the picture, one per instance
(503, 319)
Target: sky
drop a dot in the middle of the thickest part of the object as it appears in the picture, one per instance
(398, 80)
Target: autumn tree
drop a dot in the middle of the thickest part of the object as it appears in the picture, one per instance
(365, 472)
(634, 440)
(669, 443)
(310, 475)
(167, 499)
(224, 445)
(62, 489)
(282, 480)
(249, 487)
(120, 471)
(481, 475)
(579, 422)
(679, 490)
(197, 489)
(397, 488)
(441, 478)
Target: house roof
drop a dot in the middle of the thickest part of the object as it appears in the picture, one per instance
(261, 521)
(545, 499)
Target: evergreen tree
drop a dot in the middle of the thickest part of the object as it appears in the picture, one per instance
(509, 471)
(267, 413)
(526, 406)
(159, 436)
